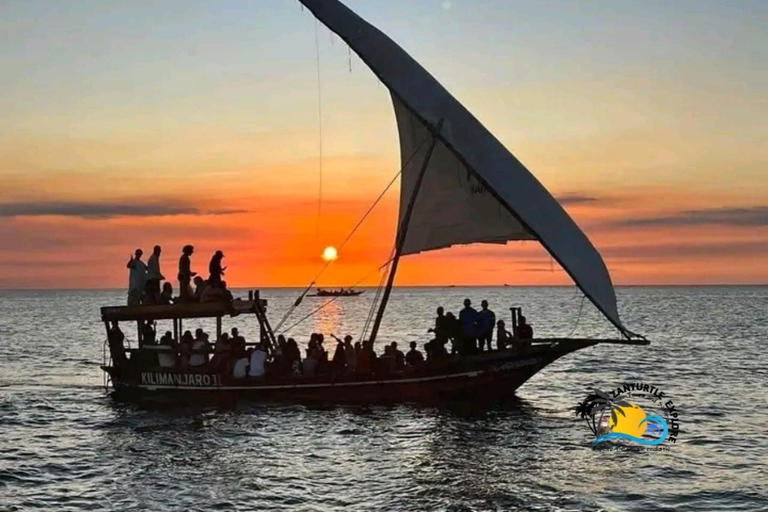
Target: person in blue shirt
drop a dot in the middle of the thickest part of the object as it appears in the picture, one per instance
(468, 319)
(486, 320)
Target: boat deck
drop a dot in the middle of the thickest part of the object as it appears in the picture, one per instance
(183, 310)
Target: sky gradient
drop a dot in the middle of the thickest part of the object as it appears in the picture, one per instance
(133, 124)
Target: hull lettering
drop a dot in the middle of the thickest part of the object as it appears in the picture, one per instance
(180, 379)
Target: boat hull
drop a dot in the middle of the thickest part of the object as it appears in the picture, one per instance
(491, 376)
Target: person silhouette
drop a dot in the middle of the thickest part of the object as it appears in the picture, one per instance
(185, 273)
(136, 279)
(486, 320)
(215, 269)
(154, 276)
(468, 319)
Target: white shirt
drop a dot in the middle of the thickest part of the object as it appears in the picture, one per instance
(166, 359)
(257, 363)
(153, 267)
(138, 275)
(240, 365)
(198, 359)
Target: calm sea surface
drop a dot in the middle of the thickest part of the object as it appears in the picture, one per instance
(66, 445)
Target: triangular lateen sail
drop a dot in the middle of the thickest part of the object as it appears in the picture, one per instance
(452, 206)
(421, 104)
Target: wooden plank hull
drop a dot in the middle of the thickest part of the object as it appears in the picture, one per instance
(491, 376)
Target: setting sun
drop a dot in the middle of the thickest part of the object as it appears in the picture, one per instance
(330, 253)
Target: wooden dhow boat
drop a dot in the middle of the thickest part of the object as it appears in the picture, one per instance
(459, 185)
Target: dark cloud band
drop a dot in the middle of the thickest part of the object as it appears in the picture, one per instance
(752, 216)
(102, 210)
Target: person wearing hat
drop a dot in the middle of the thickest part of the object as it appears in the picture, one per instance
(215, 269)
(185, 273)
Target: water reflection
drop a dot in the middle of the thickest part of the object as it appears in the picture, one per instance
(329, 319)
(66, 446)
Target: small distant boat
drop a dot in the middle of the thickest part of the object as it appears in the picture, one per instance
(342, 292)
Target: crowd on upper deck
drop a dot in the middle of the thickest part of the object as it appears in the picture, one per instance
(144, 281)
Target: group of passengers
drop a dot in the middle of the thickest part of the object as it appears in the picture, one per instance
(472, 332)
(349, 358)
(228, 355)
(144, 283)
(468, 334)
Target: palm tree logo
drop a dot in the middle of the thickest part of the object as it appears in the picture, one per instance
(596, 406)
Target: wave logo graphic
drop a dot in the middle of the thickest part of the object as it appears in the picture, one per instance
(633, 424)
(616, 419)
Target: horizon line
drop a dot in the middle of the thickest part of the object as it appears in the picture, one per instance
(653, 285)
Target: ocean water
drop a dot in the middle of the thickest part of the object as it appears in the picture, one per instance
(67, 445)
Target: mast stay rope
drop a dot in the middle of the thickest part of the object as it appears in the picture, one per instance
(334, 299)
(320, 134)
(351, 234)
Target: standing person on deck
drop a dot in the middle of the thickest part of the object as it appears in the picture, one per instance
(468, 320)
(442, 331)
(339, 360)
(486, 320)
(215, 269)
(185, 273)
(154, 277)
(136, 278)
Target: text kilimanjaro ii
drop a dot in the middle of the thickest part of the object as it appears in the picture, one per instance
(180, 379)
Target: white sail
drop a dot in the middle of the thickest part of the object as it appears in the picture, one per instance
(452, 206)
(448, 212)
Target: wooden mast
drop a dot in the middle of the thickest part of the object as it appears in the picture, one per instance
(401, 234)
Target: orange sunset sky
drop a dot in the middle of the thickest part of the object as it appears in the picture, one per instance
(129, 124)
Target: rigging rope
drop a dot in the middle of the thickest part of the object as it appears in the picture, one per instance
(578, 317)
(351, 234)
(376, 298)
(325, 304)
(320, 134)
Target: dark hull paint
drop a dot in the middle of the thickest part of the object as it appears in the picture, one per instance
(492, 376)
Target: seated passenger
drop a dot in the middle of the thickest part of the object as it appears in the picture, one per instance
(185, 349)
(199, 288)
(503, 336)
(414, 358)
(386, 363)
(148, 334)
(309, 365)
(221, 353)
(237, 341)
(228, 298)
(293, 354)
(258, 360)
(240, 369)
(399, 357)
(166, 296)
(166, 358)
(200, 348)
(524, 330)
